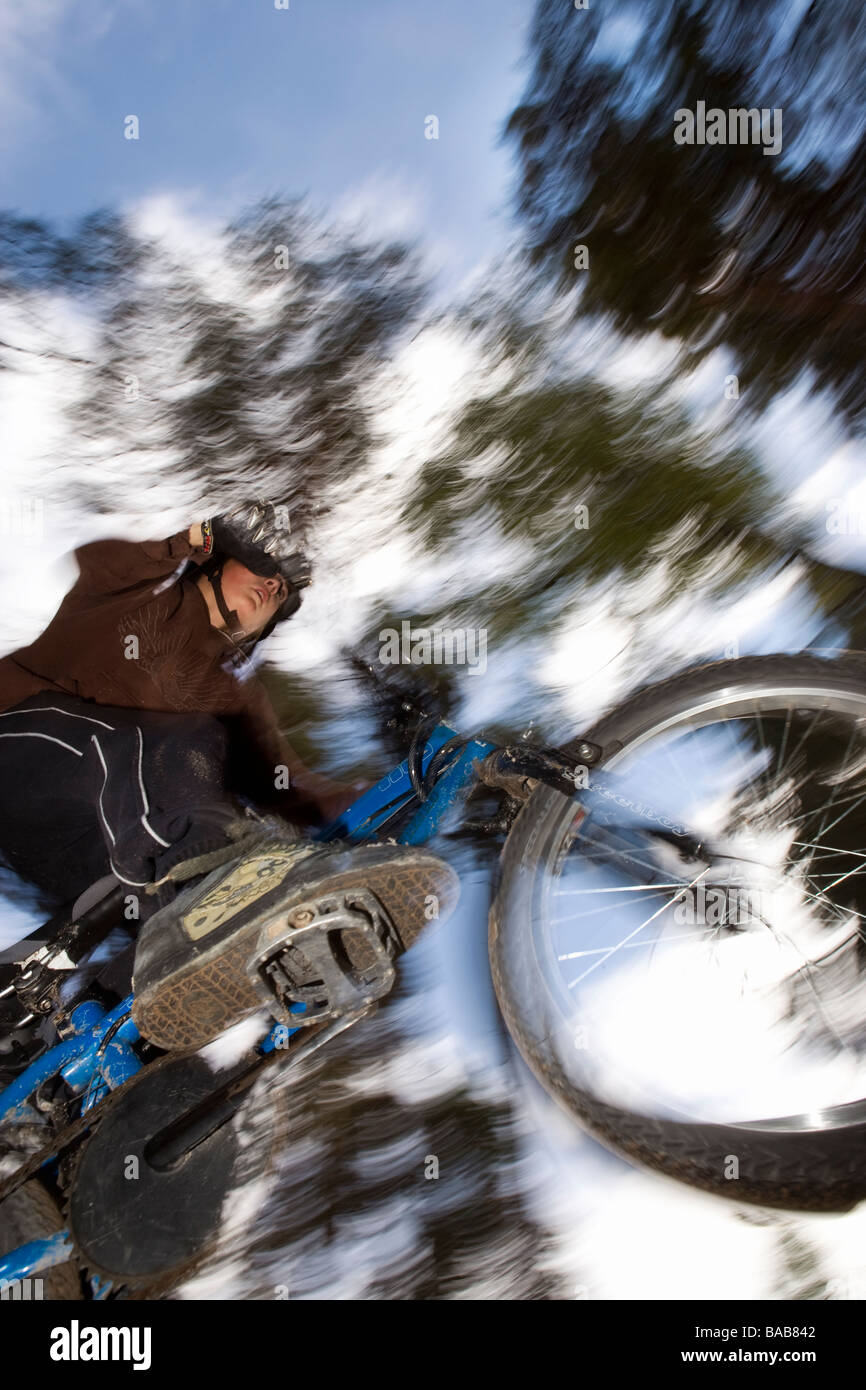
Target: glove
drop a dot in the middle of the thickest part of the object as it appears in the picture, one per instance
(256, 533)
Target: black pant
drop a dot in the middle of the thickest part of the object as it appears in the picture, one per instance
(87, 790)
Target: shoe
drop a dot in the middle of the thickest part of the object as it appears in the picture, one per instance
(309, 932)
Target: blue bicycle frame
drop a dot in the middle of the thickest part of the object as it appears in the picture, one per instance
(96, 1054)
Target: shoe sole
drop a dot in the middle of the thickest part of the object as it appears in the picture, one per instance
(194, 1003)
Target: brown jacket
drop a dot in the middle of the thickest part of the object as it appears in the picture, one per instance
(133, 632)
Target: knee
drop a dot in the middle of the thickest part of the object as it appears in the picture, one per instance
(203, 745)
(193, 743)
(202, 728)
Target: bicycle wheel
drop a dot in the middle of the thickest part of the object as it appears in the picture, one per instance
(678, 950)
(31, 1213)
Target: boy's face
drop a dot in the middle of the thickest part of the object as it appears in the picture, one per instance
(255, 599)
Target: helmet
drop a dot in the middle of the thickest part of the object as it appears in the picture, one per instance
(249, 535)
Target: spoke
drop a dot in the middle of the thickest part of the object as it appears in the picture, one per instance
(626, 939)
(633, 945)
(632, 888)
(858, 869)
(823, 824)
(610, 853)
(781, 760)
(746, 757)
(841, 879)
(831, 849)
(815, 718)
(614, 851)
(668, 750)
(835, 911)
(858, 802)
(805, 973)
(840, 913)
(561, 922)
(731, 727)
(816, 810)
(699, 744)
(834, 950)
(763, 778)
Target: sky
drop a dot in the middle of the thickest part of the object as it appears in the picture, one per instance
(236, 99)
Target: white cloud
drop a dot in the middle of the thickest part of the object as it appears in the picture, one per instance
(34, 39)
(26, 58)
(385, 205)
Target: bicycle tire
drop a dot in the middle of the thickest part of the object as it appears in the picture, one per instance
(31, 1213)
(811, 1170)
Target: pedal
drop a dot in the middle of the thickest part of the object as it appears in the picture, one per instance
(334, 955)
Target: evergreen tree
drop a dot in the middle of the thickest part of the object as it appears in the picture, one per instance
(715, 245)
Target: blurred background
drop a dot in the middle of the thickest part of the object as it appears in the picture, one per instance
(329, 254)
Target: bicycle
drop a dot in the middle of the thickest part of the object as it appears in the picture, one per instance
(684, 975)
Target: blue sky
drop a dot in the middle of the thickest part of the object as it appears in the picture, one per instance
(237, 99)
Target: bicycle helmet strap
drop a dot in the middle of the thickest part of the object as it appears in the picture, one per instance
(228, 615)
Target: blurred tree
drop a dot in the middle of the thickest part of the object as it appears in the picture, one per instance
(637, 465)
(240, 367)
(591, 485)
(596, 483)
(34, 256)
(360, 1203)
(711, 244)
